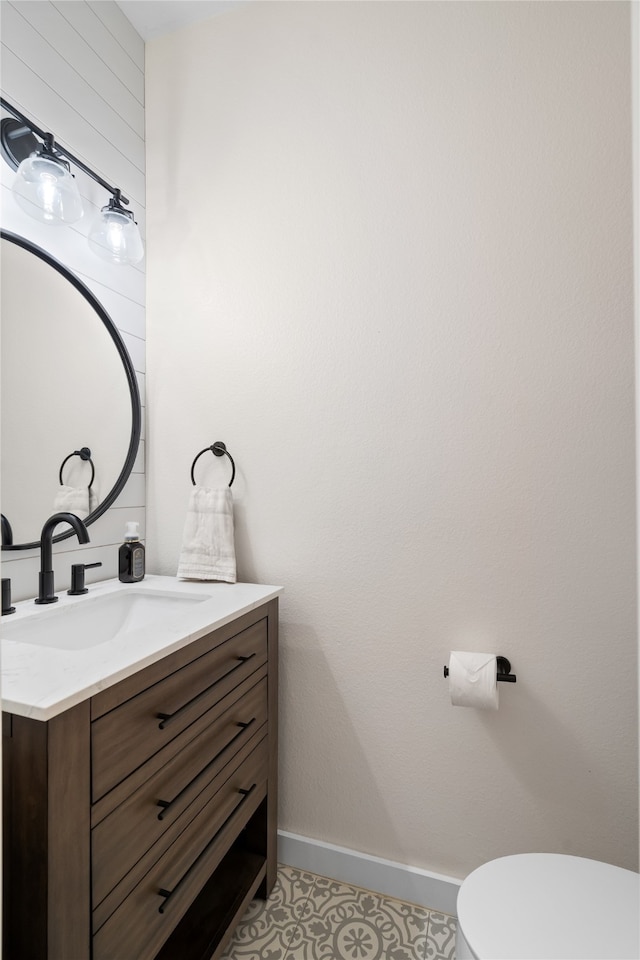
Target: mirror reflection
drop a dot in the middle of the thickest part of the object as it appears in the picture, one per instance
(66, 387)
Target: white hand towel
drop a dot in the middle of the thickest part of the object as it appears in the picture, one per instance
(73, 500)
(208, 551)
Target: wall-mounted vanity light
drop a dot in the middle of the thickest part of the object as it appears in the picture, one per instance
(115, 235)
(44, 186)
(46, 190)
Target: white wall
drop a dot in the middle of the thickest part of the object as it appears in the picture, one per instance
(390, 265)
(635, 66)
(77, 69)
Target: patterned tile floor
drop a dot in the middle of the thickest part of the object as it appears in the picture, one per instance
(313, 918)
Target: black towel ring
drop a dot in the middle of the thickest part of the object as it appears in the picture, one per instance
(218, 449)
(85, 454)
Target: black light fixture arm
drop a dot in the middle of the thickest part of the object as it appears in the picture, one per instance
(53, 146)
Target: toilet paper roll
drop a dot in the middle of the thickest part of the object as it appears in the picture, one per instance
(472, 680)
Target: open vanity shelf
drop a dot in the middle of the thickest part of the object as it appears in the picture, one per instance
(140, 822)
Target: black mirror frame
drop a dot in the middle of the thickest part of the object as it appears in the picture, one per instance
(136, 410)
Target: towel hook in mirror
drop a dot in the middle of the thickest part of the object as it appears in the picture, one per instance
(218, 449)
(85, 454)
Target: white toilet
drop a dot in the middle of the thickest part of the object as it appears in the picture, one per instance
(546, 906)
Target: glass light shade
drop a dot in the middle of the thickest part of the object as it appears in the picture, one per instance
(115, 237)
(45, 190)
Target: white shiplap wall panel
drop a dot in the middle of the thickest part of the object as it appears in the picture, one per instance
(77, 69)
(71, 46)
(107, 45)
(135, 349)
(127, 314)
(91, 141)
(142, 387)
(36, 50)
(133, 493)
(114, 20)
(79, 102)
(138, 466)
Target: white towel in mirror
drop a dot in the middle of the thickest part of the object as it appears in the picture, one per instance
(79, 500)
(208, 549)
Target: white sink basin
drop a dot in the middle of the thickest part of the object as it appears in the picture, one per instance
(89, 621)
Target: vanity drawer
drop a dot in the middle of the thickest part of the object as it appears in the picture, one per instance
(128, 735)
(174, 793)
(145, 919)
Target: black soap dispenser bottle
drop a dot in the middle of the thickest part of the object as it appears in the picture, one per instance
(131, 556)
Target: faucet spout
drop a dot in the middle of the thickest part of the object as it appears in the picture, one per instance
(45, 578)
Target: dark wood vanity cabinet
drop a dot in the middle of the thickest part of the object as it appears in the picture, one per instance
(140, 823)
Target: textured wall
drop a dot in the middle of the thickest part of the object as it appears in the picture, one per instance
(77, 68)
(390, 265)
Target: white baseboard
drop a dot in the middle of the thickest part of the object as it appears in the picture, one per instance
(430, 890)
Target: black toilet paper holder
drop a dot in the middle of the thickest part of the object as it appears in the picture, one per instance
(503, 671)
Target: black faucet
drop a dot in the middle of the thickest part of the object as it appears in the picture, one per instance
(45, 579)
(7, 532)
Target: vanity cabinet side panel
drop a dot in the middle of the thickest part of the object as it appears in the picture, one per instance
(25, 827)
(47, 872)
(69, 888)
(272, 783)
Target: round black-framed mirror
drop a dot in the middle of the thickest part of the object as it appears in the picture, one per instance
(112, 336)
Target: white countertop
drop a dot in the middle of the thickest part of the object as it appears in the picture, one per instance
(41, 681)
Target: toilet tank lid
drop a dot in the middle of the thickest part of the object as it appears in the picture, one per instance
(547, 906)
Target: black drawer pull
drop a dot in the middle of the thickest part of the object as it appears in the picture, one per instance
(168, 804)
(168, 894)
(166, 718)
